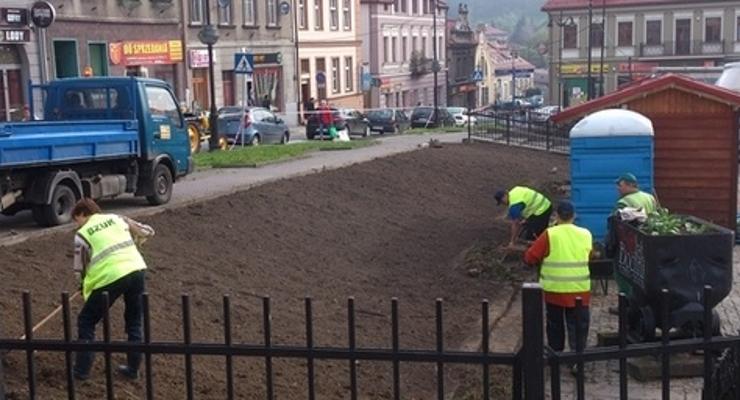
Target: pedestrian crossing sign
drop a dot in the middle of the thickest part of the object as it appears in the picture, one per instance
(477, 75)
(243, 63)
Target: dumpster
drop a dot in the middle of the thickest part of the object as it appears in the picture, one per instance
(681, 263)
(603, 146)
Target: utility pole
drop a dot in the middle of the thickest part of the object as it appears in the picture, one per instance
(435, 62)
(603, 44)
(568, 22)
(209, 36)
(297, 62)
(514, 55)
(589, 83)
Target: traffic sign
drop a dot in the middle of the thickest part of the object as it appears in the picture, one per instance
(320, 79)
(284, 8)
(243, 63)
(477, 75)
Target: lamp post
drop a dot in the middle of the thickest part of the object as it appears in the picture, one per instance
(561, 23)
(435, 62)
(514, 55)
(589, 87)
(603, 43)
(209, 36)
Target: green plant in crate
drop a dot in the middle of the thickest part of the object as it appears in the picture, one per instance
(662, 223)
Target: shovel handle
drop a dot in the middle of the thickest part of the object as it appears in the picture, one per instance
(50, 316)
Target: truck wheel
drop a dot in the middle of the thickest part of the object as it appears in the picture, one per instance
(162, 186)
(59, 211)
(194, 137)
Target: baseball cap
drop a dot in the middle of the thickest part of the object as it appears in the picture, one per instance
(499, 197)
(565, 209)
(627, 177)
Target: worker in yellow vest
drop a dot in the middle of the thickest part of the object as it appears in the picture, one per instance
(527, 209)
(108, 261)
(631, 196)
(563, 252)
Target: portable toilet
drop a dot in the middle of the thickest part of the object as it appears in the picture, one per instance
(603, 146)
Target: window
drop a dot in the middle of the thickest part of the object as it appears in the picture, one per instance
(404, 48)
(318, 14)
(224, 15)
(347, 14)
(414, 6)
(349, 84)
(272, 13)
(250, 13)
(414, 42)
(570, 37)
(92, 98)
(404, 6)
(597, 34)
(713, 29)
(425, 6)
(305, 66)
(321, 67)
(333, 15)
(335, 75)
(624, 34)
(394, 43)
(65, 59)
(653, 34)
(302, 14)
(424, 46)
(196, 11)
(737, 29)
(98, 55)
(386, 49)
(161, 103)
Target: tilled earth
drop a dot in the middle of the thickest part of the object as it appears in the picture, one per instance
(395, 227)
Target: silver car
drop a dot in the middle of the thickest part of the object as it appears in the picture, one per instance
(260, 126)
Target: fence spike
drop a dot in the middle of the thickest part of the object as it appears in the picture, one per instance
(228, 342)
(28, 329)
(186, 325)
(147, 353)
(394, 346)
(266, 322)
(106, 338)
(67, 328)
(309, 345)
(352, 344)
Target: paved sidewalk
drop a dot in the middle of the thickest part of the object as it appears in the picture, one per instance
(203, 185)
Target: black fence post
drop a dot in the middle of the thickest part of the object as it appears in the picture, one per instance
(547, 135)
(508, 129)
(532, 342)
(470, 124)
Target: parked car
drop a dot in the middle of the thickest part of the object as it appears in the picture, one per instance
(423, 117)
(460, 114)
(354, 122)
(388, 120)
(543, 114)
(260, 126)
(312, 125)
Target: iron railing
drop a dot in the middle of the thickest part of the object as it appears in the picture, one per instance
(520, 129)
(683, 48)
(528, 362)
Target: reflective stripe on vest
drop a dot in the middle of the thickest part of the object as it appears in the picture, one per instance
(534, 203)
(565, 269)
(113, 253)
(638, 200)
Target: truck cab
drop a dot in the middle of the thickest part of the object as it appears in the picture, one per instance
(99, 138)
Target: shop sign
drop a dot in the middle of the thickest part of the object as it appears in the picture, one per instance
(15, 35)
(14, 16)
(268, 58)
(580, 69)
(199, 58)
(637, 67)
(146, 52)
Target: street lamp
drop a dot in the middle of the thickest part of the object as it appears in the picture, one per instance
(561, 23)
(435, 63)
(514, 55)
(209, 36)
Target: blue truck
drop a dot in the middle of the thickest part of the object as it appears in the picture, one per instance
(99, 138)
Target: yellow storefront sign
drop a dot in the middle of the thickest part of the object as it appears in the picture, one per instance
(581, 69)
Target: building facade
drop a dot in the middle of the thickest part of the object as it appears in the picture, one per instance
(399, 43)
(636, 38)
(329, 51)
(19, 60)
(462, 43)
(264, 28)
(117, 37)
(505, 73)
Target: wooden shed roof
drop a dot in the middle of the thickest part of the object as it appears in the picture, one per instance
(646, 87)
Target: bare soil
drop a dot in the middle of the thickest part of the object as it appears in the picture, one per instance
(409, 226)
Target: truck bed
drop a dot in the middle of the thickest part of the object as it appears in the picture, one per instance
(37, 143)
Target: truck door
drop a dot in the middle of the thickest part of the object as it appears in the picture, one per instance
(166, 127)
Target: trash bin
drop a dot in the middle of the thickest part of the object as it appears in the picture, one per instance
(603, 146)
(683, 264)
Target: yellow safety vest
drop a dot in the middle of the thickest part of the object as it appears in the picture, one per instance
(638, 199)
(565, 269)
(534, 203)
(113, 252)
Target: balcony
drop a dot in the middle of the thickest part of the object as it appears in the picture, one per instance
(683, 48)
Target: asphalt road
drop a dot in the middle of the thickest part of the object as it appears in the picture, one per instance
(204, 185)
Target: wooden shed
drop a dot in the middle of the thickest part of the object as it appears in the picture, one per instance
(696, 141)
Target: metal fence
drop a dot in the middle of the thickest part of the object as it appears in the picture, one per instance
(520, 129)
(529, 362)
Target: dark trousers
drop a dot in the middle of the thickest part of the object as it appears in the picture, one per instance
(560, 318)
(131, 287)
(536, 224)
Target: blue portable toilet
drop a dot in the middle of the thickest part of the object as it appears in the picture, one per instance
(603, 146)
